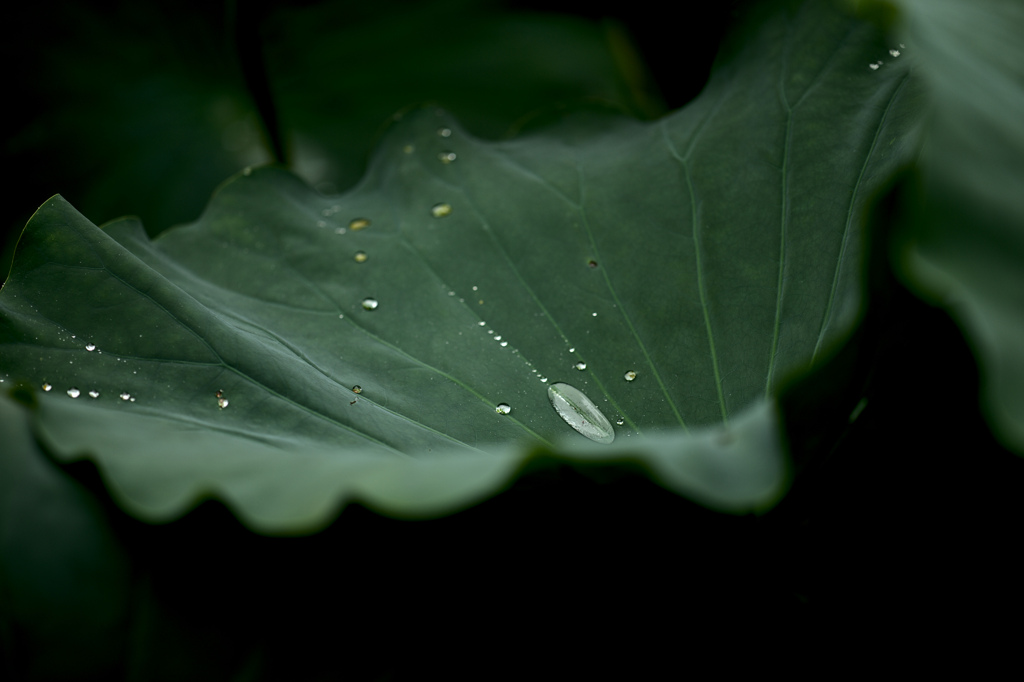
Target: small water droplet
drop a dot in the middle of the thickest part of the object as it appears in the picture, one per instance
(441, 210)
(222, 403)
(481, 323)
(360, 256)
(341, 317)
(902, 46)
(874, 66)
(358, 224)
(503, 344)
(543, 380)
(369, 304)
(620, 421)
(90, 346)
(498, 337)
(446, 157)
(629, 376)
(46, 386)
(74, 392)
(580, 413)
(247, 170)
(572, 350)
(503, 408)
(444, 132)
(94, 394)
(895, 53)
(357, 389)
(580, 365)
(593, 314)
(592, 263)
(126, 396)
(321, 223)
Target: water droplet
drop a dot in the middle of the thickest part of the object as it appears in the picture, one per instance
(902, 46)
(441, 210)
(358, 224)
(498, 337)
(894, 53)
(126, 396)
(341, 317)
(592, 263)
(222, 403)
(444, 132)
(580, 413)
(593, 314)
(874, 67)
(543, 380)
(74, 392)
(321, 223)
(572, 350)
(629, 376)
(446, 157)
(580, 365)
(369, 304)
(46, 386)
(357, 389)
(247, 171)
(503, 344)
(94, 394)
(503, 408)
(360, 256)
(90, 346)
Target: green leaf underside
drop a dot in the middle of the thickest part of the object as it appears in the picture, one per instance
(712, 253)
(967, 246)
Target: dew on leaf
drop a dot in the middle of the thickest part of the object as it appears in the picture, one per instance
(592, 263)
(580, 365)
(441, 210)
(629, 376)
(446, 157)
(481, 323)
(94, 394)
(358, 224)
(369, 304)
(90, 346)
(74, 392)
(222, 403)
(46, 387)
(580, 413)
(126, 396)
(894, 53)
(503, 408)
(357, 389)
(360, 257)
(444, 132)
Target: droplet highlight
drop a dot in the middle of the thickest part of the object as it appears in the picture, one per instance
(369, 304)
(46, 386)
(441, 210)
(90, 346)
(222, 403)
(894, 53)
(126, 396)
(358, 224)
(580, 413)
(357, 389)
(503, 408)
(629, 376)
(444, 132)
(360, 257)
(580, 365)
(94, 394)
(446, 157)
(74, 392)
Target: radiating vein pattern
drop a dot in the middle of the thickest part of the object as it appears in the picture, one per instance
(673, 272)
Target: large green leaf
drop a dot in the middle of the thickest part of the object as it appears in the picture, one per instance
(713, 253)
(962, 244)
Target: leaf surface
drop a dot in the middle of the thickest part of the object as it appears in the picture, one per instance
(711, 253)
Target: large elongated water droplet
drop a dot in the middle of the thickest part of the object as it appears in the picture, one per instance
(580, 413)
